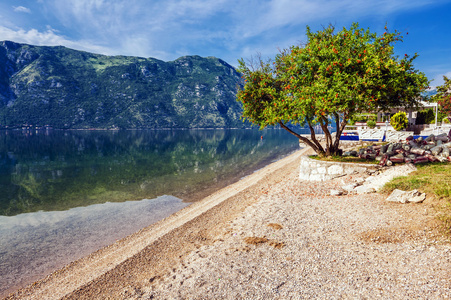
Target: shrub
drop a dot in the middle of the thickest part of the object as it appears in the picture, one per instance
(371, 124)
(399, 121)
(426, 116)
(362, 118)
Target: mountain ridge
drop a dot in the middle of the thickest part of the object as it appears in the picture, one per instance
(70, 89)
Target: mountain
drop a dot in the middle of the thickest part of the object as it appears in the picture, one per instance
(430, 92)
(70, 89)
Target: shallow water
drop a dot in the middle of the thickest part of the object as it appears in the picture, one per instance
(34, 243)
(59, 170)
(67, 194)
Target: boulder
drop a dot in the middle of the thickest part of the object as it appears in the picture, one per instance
(400, 196)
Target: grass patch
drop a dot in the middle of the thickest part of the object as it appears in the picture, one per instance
(346, 159)
(434, 179)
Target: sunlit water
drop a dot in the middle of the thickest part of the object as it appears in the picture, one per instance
(65, 194)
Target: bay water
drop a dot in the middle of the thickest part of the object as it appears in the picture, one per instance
(65, 194)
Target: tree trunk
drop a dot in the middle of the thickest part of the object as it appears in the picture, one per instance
(316, 146)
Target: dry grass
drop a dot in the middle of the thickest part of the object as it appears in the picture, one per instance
(255, 240)
(263, 240)
(346, 159)
(277, 245)
(401, 234)
(275, 226)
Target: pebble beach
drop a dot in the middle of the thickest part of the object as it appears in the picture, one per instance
(270, 236)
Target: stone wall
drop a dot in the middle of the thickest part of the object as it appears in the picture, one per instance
(318, 170)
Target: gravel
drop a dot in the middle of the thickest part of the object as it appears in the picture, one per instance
(328, 247)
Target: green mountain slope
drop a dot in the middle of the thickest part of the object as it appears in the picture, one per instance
(66, 88)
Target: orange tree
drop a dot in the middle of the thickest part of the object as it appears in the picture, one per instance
(443, 97)
(328, 80)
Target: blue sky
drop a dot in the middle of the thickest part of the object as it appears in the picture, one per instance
(228, 29)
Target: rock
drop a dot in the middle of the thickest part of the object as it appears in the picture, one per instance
(441, 137)
(350, 187)
(445, 151)
(417, 151)
(359, 180)
(370, 179)
(442, 159)
(405, 197)
(336, 193)
(364, 189)
(418, 198)
(436, 150)
(350, 153)
(430, 138)
(378, 181)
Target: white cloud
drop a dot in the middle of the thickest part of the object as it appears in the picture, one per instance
(21, 9)
(275, 14)
(438, 80)
(31, 36)
(48, 38)
(166, 29)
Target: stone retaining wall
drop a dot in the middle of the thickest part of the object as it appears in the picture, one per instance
(318, 170)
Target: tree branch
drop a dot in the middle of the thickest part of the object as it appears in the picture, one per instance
(303, 139)
(313, 136)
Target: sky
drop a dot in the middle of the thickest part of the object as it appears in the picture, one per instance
(227, 29)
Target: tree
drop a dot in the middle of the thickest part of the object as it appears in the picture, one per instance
(443, 97)
(426, 116)
(399, 121)
(329, 79)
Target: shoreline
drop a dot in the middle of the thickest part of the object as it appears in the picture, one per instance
(270, 236)
(30, 253)
(96, 265)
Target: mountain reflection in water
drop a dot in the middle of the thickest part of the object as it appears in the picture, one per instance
(58, 188)
(58, 170)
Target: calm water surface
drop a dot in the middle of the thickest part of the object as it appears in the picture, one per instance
(65, 194)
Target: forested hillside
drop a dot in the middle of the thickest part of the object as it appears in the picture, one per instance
(66, 88)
